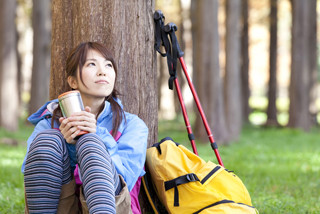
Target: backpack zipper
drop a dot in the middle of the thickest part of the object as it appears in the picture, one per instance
(210, 174)
(221, 202)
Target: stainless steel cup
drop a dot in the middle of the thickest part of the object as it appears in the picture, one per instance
(71, 102)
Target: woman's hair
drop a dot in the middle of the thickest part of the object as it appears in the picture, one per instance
(75, 61)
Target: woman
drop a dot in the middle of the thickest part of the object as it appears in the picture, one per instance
(113, 150)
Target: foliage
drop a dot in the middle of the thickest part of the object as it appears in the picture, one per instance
(279, 166)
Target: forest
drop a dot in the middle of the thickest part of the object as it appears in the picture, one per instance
(258, 65)
(254, 65)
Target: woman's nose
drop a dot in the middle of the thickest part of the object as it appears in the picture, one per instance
(101, 70)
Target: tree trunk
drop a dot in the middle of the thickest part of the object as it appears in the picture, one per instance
(41, 22)
(9, 100)
(272, 92)
(299, 116)
(313, 59)
(245, 62)
(126, 27)
(206, 68)
(232, 75)
(180, 75)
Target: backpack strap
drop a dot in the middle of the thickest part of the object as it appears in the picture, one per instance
(174, 183)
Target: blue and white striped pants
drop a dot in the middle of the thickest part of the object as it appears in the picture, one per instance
(48, 168)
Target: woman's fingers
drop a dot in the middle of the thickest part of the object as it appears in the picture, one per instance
(68, 130)
(87, 109)
(80, 121)
(84, 120)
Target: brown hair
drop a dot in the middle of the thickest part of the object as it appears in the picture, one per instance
(75, 61)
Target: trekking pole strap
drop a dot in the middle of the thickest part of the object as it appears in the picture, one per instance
(171, 29)
(175, 52)
(161, 38)
(159, 20)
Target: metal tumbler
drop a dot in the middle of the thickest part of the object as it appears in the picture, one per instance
(71, 102)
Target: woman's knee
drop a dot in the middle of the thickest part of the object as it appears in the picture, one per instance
(49, 138)
(90, 138)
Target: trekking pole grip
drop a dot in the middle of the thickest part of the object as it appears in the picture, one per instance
(171, 29)
(158, 15)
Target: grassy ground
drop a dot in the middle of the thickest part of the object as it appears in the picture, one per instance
(12, 151)
(280, 167)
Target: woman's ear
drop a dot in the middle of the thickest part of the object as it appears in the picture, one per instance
(72, 81)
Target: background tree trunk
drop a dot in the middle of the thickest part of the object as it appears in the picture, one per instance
(206, 68)
(41, 22)
(313, 49)
(126, 27)
(232, 75)
(299, 116)
(245, 61)
(180, 75)
(272, 92)
(9, 99)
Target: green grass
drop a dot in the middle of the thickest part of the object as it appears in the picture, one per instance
(280, 167)
(11, 179)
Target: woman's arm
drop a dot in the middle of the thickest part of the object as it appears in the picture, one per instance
(129, 152)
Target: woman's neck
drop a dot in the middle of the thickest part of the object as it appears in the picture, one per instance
(94, 103)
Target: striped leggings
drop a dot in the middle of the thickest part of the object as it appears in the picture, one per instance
(48, 168)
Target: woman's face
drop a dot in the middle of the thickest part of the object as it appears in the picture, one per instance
(98, 77)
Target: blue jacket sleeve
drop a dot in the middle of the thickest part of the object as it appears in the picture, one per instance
(41, 125)
(128, 154)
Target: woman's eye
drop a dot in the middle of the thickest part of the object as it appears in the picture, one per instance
(91, 64)
(109, 65)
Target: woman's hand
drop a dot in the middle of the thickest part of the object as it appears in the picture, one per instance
(81, 121)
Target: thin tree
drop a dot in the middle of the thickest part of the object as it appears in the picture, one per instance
(232, 96)
(9, 95)
(245, 61)
(272, 92)
(300, 81)
(41, 22)
(206, 68)
(313, 48)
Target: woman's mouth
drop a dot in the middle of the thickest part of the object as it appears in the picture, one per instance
(102, 82)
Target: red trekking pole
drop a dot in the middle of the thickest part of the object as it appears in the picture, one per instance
(173, 52)
(162, 36)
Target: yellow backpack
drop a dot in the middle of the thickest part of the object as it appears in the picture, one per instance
(185, 183)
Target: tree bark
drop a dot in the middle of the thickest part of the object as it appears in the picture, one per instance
(272, 92)
(233, 101)
(9, 99)
(245, 62)
(126, 27)
(206, 69)
(41, 22)
(300, 81)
